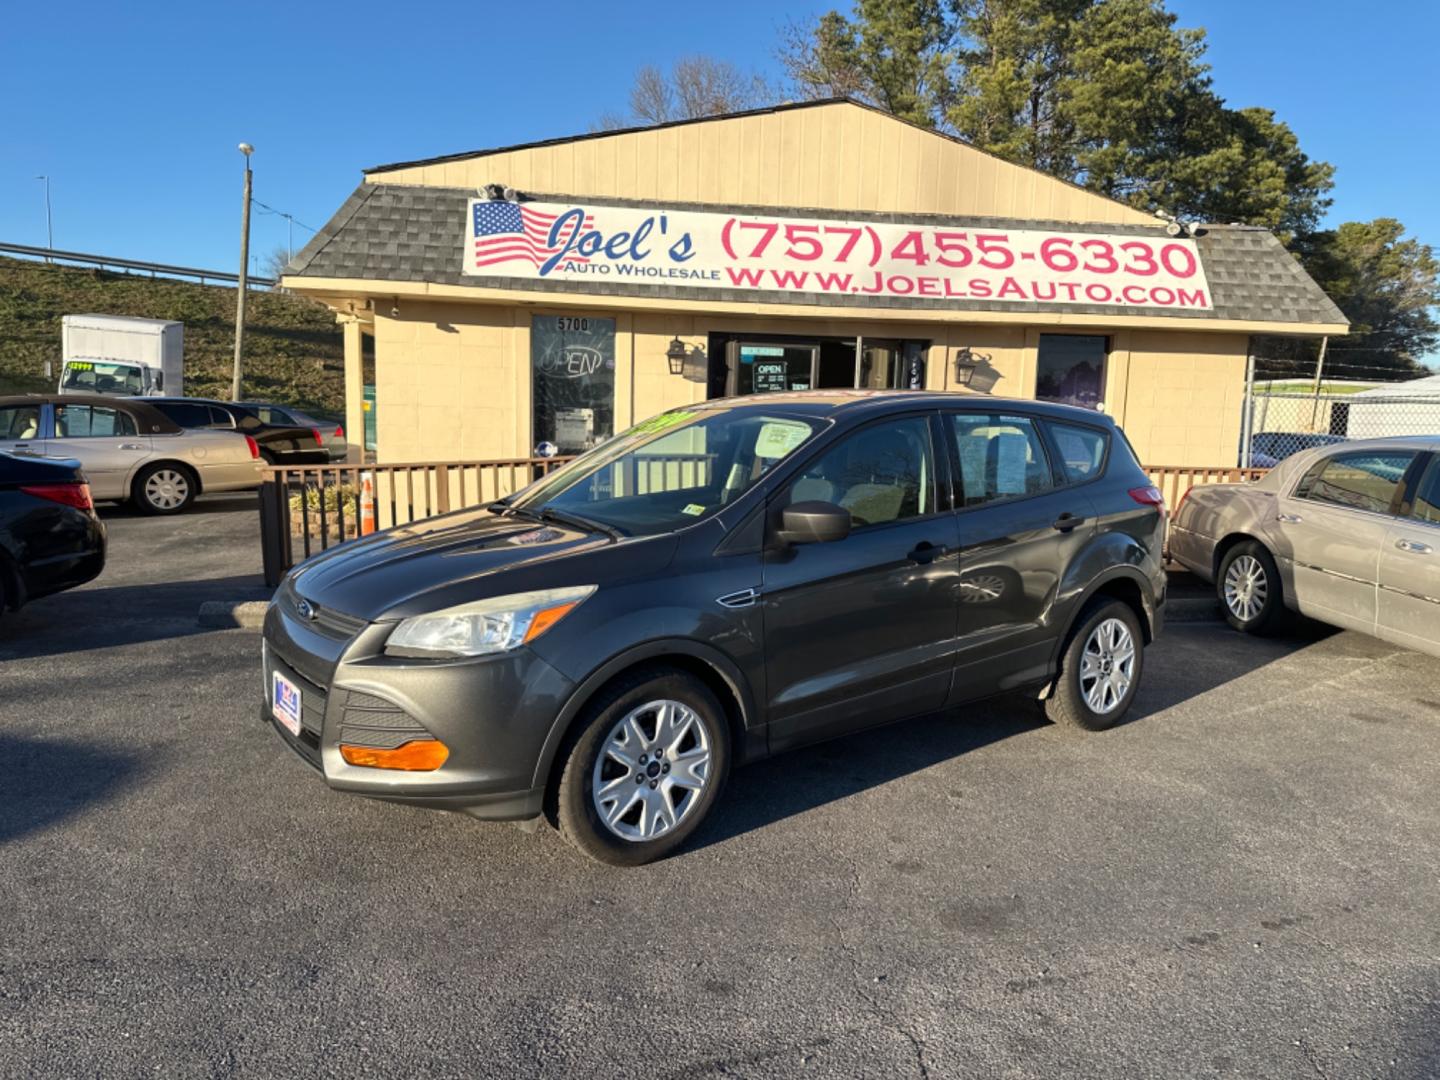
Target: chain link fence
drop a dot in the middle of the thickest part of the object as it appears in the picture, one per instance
(1283, 418)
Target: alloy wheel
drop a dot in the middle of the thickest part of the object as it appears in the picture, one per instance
(652, 770)
(1246, 587)
(167, 489)
(1107, 666)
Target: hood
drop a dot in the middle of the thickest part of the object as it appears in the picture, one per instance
(436, 563)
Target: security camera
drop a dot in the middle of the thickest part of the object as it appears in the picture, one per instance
(494, 192)
(395, 310)
(1174, 229)
(511, 195)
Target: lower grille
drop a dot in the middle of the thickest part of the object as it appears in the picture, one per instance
(312, 709)
(367, 720)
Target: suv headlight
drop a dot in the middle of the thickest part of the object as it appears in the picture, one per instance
(489, 626)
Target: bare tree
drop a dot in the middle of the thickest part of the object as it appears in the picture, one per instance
(694, 87)
(273, 265)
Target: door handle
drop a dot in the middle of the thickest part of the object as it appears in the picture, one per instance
(1415, 547)
(1067, 521)
(926, 552)
(1290, 519)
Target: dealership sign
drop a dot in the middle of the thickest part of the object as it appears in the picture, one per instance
(799, 257)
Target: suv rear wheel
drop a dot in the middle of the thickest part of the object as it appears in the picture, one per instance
(1101, 668)
(645, 768)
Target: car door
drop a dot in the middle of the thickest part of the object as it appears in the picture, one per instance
(1019, 529)
(20, 429)
(1332, 527)
(1409, 595)
(106, 442)
(860, 631)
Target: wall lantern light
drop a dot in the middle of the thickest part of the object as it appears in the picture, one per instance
(676, 354)
(965, 366)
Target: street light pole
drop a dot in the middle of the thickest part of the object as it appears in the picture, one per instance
(247, 150)
(49, 225)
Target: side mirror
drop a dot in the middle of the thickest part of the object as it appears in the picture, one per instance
(813, 523)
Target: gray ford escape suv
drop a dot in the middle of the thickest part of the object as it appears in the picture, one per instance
(719, 583)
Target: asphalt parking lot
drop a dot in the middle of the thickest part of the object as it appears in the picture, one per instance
(1241, 881)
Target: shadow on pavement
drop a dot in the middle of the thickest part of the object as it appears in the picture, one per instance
(242, 502)
(101, 617)
(792, 783)
(44, 781)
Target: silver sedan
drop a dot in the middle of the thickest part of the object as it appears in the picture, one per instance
(130, 451)
(1347, 534)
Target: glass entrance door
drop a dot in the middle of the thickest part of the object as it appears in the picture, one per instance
(764, 368)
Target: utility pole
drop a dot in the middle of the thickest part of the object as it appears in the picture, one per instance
(1319, 371)
(247, 150)
(49, 224)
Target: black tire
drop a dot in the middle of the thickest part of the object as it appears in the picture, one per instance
(577, 813)
(1249, 562)
(1070, 702)
(173, 491)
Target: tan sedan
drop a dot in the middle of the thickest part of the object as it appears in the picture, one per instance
(129, 450)
(1347, 534)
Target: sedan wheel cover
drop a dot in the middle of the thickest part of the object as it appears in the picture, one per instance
(652, 770)
(1246, 587)
(1107, 666)
(167, 489)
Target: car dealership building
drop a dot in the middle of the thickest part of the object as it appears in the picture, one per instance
(540, 298)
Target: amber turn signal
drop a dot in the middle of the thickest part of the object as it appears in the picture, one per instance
(547, 618)
(422, 755)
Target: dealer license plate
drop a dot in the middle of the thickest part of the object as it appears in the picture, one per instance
(285, 703)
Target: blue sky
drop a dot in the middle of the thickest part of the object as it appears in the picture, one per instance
(134, 110)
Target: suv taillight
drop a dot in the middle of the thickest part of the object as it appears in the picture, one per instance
(1148, 496)
(254, 447)
(76, 495)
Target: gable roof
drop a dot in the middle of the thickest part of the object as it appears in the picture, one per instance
(835, 154)
(403, 233)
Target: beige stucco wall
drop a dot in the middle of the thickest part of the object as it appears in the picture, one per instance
(453, 380)
(837, 156)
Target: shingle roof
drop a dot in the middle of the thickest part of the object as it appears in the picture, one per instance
(405, 233)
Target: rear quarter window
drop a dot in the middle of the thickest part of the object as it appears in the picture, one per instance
(1082, 451)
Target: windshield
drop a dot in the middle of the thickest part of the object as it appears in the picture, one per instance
(102, 377)
(670, 471)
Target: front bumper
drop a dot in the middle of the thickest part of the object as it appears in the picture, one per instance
(493, 714)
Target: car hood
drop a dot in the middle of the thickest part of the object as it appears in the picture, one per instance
(437, 563)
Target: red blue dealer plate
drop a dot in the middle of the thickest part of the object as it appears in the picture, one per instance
(285, 703)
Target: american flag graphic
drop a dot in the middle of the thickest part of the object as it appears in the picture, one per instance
(506, 232)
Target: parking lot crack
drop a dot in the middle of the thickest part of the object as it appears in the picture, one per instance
(886, 1018)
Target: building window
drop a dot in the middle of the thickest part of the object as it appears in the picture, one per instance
(1071, 369)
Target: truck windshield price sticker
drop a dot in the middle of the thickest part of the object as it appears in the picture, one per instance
(816, 257)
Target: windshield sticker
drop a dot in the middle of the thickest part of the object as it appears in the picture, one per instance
(660, 423)
(694, 509)
(1013, 452)
(777, 438)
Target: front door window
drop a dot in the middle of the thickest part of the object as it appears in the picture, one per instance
(1071, 369)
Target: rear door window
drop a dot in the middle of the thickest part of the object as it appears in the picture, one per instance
(219, 418)
(91, 421)
(1001, 456)
(1082, 451)
(1360, 481)
(1426, 506)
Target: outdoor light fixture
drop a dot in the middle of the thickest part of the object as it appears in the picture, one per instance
(493, 192)
(965, 365)
(676, 354)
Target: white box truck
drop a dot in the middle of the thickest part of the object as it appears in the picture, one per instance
(122, 355)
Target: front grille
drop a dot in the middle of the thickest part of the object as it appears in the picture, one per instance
(312, 709)
(323, 620)
(367, 720)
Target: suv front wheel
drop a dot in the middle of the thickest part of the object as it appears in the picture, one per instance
(645, 767)
(1100, 670)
